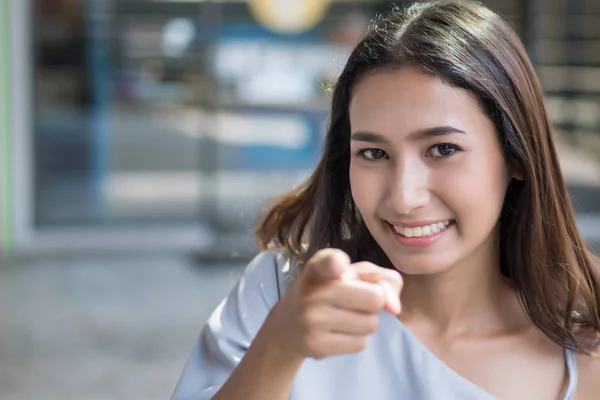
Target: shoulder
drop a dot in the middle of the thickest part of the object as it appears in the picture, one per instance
(262, 284)
(588, 383)
(272, 271)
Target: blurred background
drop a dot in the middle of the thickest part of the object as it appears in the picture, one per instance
(139, 139)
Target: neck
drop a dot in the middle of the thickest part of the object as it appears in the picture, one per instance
(472, 297)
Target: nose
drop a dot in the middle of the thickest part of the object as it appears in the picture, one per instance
(409, 186)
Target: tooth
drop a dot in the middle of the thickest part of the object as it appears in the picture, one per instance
(420, 231)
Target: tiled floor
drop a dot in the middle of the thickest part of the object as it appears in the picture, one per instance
(110, 328)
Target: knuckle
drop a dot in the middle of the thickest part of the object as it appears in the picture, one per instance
(312, 343)
(324, 254)
(364, 266)
(321, 257)
(313, 316)
(361, 343)
(372, 323)
(395, 275)
(392, 273)
(308, 317)
(331, 255)
(374, 300)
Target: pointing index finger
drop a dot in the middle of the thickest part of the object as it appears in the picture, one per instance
(328, 264)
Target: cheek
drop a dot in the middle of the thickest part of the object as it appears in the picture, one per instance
(357, 184)
(476, 189)
(364, 188)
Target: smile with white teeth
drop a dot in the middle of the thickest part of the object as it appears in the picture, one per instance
(420, 231)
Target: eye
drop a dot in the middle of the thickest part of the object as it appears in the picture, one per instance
(372, 154)
(442, 150)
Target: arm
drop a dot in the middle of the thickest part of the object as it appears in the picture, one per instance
(228, 333)
(264, 373)
(324, 313)
(330, 309)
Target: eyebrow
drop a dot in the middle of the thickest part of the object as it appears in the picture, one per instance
(416, 135)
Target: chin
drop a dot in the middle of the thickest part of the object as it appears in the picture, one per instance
(429, 270)
(420, 264)
(420, 269)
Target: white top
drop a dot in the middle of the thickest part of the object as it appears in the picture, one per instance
(395, 364)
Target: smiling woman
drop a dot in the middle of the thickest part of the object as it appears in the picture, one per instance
(436, 225)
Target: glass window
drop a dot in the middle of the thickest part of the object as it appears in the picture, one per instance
(158, 111)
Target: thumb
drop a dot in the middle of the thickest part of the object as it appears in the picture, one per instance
(391, 283)
(326, 265)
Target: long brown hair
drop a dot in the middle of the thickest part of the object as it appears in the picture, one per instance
(468, 46)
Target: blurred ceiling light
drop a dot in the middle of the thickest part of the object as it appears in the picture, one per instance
(289, 16)
(178, 34)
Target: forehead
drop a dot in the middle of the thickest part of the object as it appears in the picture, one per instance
(408, 99)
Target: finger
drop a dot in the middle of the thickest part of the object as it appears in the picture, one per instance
(392, 299)
(349, 274)
(326, 265)
(350, 322)
(333, 343)
(390, 280)
(369, 272)
(354, 295)
(327, 318)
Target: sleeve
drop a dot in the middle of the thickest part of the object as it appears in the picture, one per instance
(230, 329)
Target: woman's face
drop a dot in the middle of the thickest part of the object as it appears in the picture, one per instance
(426, 172)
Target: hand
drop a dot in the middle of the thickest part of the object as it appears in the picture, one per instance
(333, 306)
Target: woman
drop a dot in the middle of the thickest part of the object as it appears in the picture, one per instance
(439, 164)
